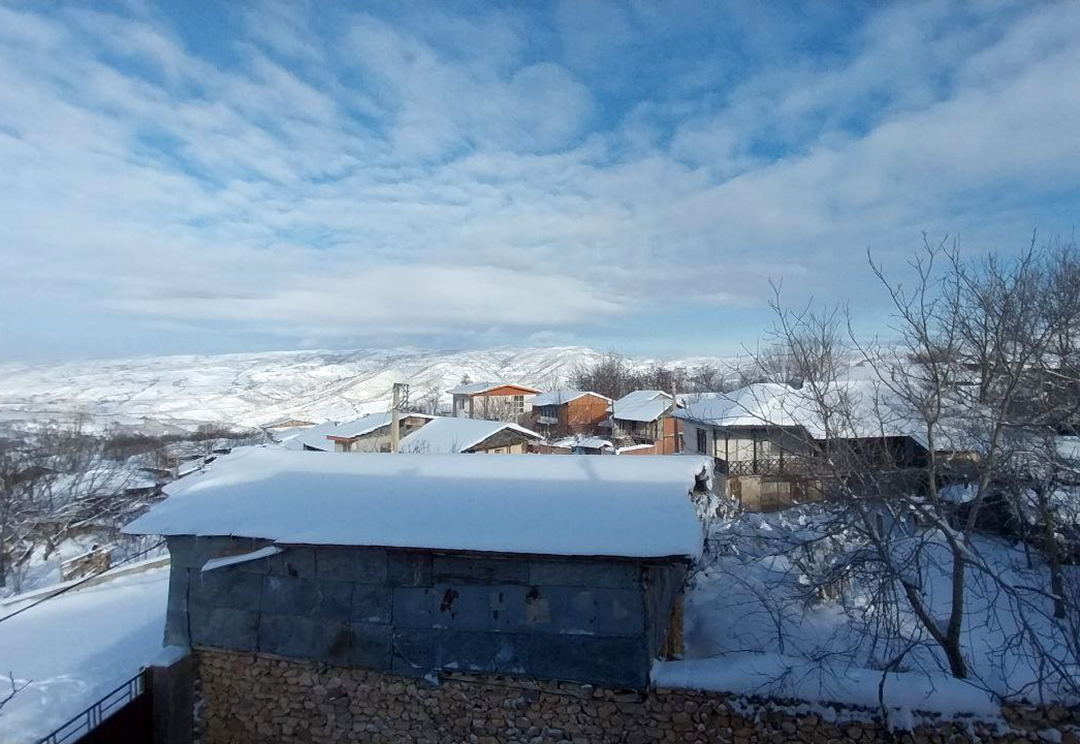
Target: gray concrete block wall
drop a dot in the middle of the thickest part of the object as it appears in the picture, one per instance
(414, 612)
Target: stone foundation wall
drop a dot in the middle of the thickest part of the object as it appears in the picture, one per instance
(249, 698)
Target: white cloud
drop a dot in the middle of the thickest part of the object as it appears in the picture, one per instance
(374, 301)
(454, 155)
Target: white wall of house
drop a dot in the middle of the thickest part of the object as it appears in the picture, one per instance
(698, 438)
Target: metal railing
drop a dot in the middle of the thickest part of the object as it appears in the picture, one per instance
(789, 465)
(85, 722)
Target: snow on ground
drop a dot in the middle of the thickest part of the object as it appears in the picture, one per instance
(258, 389)
(39, 571)
(75, 648)
(752, 629)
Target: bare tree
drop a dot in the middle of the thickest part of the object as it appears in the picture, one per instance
(430, 398)
(19, 469)
(975, 370)
(53, 481)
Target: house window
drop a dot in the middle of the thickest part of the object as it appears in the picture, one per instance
(519, 403)
(702, 441)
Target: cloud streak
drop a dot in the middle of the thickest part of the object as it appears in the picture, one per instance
(421, 176)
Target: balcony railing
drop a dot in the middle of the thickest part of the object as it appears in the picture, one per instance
(787, 465)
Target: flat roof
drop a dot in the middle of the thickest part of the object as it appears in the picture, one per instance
(583, 505)
(475, 388)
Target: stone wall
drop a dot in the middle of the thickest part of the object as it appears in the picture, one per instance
(414, 612)
(250, 698)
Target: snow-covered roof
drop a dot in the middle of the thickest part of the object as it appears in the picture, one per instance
(369, 423)
(582, 441)
(861, 409)
(475, 388)
(446, 435)
(642, 405)
(761, 404)
(100, 480)
(313, 437)
(78, 647)
(558, 397)
(537, 504)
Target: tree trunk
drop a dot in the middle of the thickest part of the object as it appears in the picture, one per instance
(1057, 581)
(953, 652)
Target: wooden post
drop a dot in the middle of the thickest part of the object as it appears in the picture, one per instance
(672, 649)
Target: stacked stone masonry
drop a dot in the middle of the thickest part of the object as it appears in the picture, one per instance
(255, 698)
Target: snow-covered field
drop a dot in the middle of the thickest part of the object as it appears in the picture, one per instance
(258, 389)
(72, 649)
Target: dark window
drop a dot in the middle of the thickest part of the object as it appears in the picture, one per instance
(702, 441)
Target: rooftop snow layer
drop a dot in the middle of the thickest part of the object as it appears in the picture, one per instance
(761, 404)
(475, 388)
(369, 423)
(558, 397)
(315, 437)
(860, 409)
(583, 441)
(538, 504)
(642, 405)
(77, 647)
(445, 435)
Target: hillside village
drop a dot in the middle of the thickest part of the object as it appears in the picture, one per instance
(754, 522)
(570, 372)
(835, 540)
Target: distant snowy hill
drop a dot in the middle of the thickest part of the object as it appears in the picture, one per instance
(160, 393)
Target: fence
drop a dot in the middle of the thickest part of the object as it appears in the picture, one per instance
(124, 714)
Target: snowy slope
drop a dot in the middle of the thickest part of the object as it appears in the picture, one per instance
(261, 388)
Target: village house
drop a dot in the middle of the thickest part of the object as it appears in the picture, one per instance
(644, 424)
(562, 413)
(765, 437)
(445, 435)
(492, 401)
(415, 567)
(758, 442)
(372, 433)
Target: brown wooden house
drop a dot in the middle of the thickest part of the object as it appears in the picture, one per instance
(493, 401)
(563, 413)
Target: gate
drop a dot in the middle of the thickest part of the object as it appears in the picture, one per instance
(124, 714)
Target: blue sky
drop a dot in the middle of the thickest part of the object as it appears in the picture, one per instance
(206, 177)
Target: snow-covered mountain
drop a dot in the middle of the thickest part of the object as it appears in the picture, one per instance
(158, 393)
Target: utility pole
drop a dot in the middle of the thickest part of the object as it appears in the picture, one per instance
(400, 400)
(611, 431)
(674, 421)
